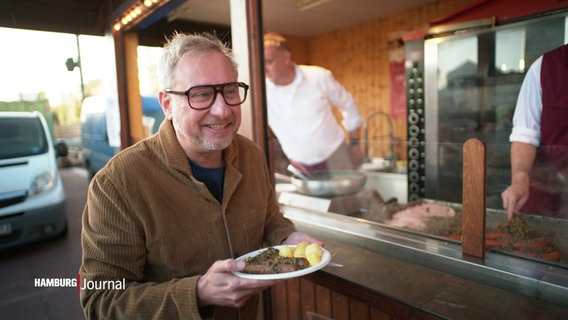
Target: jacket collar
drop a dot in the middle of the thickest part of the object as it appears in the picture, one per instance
(175, 157)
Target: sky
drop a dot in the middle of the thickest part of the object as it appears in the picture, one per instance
(35, 62)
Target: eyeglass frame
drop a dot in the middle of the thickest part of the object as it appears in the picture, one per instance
(217, 88)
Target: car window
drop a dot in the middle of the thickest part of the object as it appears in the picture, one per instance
(20, 137)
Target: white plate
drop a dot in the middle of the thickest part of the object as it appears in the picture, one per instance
(325, 259)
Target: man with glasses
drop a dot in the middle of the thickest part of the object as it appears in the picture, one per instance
(300, 99)
(167, 216)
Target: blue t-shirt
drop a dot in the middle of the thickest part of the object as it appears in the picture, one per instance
(213, 178)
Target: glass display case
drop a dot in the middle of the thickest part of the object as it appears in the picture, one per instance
(471, 87)
(462, 86)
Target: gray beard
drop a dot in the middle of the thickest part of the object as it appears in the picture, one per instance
(210, 146)
(199, 140)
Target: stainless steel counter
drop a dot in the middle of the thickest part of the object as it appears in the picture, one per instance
(528, 278)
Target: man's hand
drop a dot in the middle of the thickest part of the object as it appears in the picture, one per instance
(220, 287)
(514, 197)
(357, 156)
(297, 237)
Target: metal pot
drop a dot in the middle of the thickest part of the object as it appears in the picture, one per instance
(330, 183)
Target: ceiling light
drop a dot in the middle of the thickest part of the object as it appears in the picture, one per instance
(136, 12)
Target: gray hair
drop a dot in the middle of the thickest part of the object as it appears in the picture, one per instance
(180, 44)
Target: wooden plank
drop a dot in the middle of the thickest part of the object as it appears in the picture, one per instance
(339, 305)
(279, 310)
(294, 299)
(377, 314)
(323, 300)
(358, 310)
(307, 292)
(474, 191)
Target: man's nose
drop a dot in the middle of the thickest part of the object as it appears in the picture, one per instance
(219, 106)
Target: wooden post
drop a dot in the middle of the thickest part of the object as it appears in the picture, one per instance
(129, 100)
(474, 191)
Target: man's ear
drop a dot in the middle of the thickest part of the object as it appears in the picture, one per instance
(287, 56)
(166, 103)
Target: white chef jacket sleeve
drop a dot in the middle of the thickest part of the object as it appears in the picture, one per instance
(527, 117)
(342, 99)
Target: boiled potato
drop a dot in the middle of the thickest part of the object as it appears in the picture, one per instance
(300, 251)
(287, 252)
(313, 259)
(313, 253)
(313, 248)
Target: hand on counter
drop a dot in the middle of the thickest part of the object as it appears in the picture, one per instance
(514, 197)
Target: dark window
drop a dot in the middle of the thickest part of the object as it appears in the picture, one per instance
(20, 137)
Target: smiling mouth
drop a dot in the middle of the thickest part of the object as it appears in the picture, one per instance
(217, 126)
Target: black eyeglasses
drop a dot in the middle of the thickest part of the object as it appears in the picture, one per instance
(203, 97)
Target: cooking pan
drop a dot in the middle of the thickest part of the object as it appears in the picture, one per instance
(330, 183)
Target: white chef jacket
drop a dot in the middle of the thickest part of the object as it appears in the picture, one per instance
(527, 117)
(300, 114)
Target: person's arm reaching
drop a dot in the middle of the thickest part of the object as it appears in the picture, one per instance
(516, 195)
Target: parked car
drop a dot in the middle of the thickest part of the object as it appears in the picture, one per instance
(32, 197)
(100, 128)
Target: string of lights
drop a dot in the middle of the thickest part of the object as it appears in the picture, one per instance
(136, 12)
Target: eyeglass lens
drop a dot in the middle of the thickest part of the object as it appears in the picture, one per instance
(202, 97)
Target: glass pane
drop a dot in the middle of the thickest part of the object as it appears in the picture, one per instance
(21, 137)
(471, 89)
(478, 80)
(460, 63)
(510, 51)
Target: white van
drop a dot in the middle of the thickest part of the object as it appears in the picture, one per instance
(32, 198)
(100, 128)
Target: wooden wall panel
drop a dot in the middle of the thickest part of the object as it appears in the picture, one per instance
(379, 315)
(358, 310)
(279, 308)
(294, 298)
(340, 306)
(299, 47)
(321, 299)
(359, 59)
(307, 294)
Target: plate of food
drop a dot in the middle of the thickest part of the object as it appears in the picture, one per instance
(268, 263)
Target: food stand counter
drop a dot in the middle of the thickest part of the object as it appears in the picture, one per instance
(391, 272)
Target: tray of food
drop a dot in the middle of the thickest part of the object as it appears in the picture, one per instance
(284, 261)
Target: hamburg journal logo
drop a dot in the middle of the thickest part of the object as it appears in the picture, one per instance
(80, 284)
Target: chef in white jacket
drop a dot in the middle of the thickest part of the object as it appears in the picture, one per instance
(300, 102)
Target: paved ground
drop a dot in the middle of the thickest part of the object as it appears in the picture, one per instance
(58, 258)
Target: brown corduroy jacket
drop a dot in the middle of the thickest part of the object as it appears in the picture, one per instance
(150, 223)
